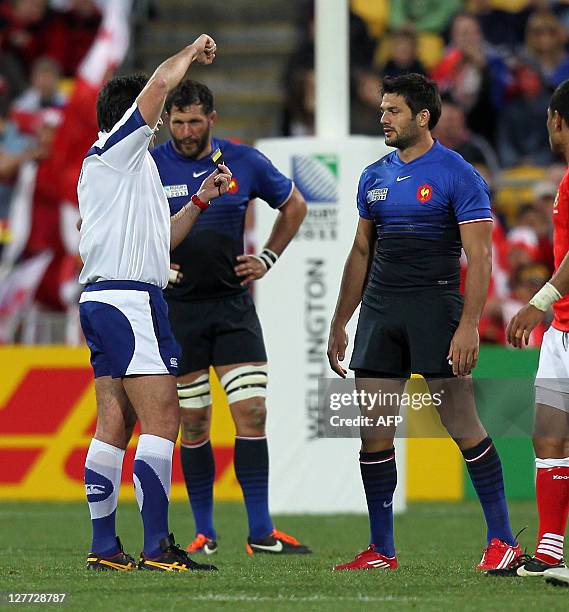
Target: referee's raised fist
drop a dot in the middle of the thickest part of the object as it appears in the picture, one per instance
(205, 48)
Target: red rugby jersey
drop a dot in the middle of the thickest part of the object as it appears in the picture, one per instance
(560, 248)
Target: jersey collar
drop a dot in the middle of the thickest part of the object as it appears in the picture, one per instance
(436, 146)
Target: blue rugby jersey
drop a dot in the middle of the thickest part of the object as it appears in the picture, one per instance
(417, 208)
(208, 254)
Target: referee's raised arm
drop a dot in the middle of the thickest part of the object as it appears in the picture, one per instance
(170, 72)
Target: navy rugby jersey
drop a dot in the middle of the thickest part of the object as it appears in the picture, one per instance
(208, 254)
(417, 208)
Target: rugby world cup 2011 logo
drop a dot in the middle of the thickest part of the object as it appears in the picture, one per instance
(316, 177)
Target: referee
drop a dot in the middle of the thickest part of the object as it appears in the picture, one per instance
(126, 236)
(212, 314)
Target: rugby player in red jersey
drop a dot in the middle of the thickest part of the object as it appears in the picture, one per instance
(551, 432)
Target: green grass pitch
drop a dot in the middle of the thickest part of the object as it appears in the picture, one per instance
(43, 548)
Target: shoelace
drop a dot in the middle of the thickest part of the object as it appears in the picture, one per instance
(285, 537)
(519, 561)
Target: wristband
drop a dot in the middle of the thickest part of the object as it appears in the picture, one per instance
(545, 297)
(268, 257)
(199, 203)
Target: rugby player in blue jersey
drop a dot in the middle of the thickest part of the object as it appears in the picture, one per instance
(418, 206)
(213, 316)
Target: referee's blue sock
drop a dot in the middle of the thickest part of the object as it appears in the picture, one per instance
(485, 469)
(103, 467)
(198, 465)
(379, 475)
(252, 470)
(152, 479)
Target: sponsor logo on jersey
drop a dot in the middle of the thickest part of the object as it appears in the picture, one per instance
(175, 191)
(173, 362)
(376, 194)
(424, 193)
(196, 174)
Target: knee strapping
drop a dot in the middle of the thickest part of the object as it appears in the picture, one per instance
(245, 382)
(196, 394)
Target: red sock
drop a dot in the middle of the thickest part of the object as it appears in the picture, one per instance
(552, 492)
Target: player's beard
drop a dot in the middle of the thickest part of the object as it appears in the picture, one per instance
(404, 139)
(190, 147)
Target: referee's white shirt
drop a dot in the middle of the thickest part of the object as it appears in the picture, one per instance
(125, 231)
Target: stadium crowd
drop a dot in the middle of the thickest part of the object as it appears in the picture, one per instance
(495, 61)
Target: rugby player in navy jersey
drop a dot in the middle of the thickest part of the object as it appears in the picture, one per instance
(213, 316)
(417, 207)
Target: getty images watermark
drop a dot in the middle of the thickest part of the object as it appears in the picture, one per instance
(425, 408)
(379, 411)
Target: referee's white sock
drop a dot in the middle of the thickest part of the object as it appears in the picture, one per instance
(152, 479)
(103, 468)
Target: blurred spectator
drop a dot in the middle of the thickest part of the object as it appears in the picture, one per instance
(42, 93)
(30, 29)
(544, 193)
(524, 284)
(545, 48)
(12, 78)
(540, 222)
(402, 58)
(453, 133)
(365, 102)
(423, 15)
(15, 150)
(530, 239)
(299, 104)
(72, 33)
(502, 26)
(24, 30)
(522, 134)
(521, 248)
(474, 75)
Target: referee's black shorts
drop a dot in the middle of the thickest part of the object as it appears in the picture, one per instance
(406, 333)
(219, 332)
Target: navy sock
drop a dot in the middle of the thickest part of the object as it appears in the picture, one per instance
(485, 469)
(152, 476)
(379, 475)
(252, 470)
(198, 466)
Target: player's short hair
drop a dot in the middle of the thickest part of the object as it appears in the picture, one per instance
(190, 93)
(116, 97)
(560, 101)
(420, 93)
